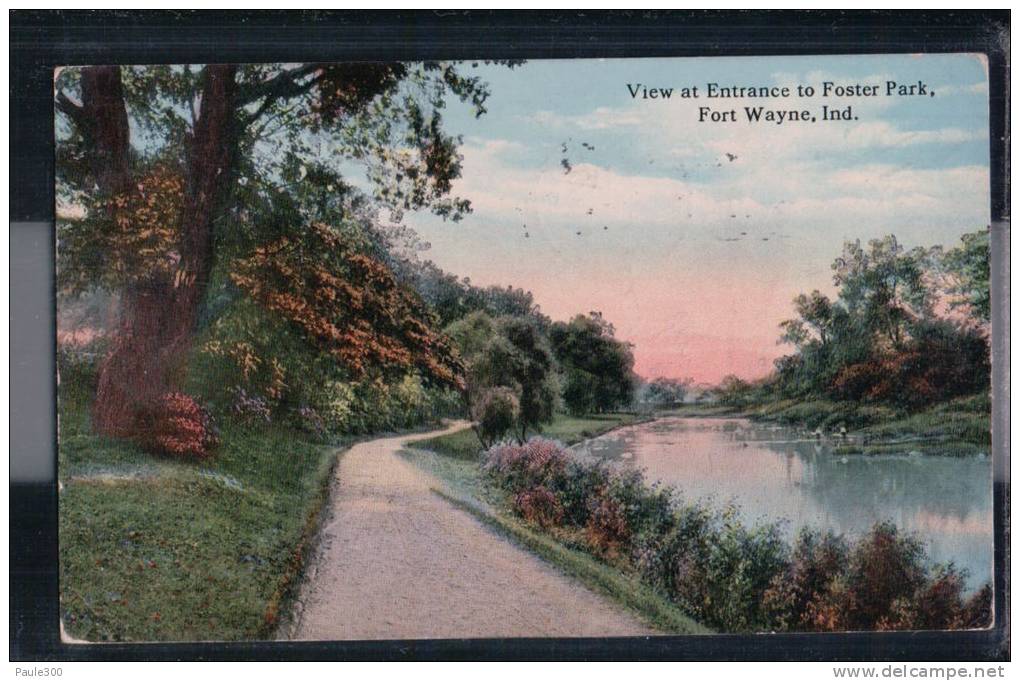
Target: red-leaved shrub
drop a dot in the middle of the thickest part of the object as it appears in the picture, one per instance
(977, 610)
(539, 506)
(817, 561)
(175, 425)
(607, 530)
(725, 574)
(884, 567)
(937, 604)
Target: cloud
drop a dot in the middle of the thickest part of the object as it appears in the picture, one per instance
(678, 127)
(760, 183)
(972, 89)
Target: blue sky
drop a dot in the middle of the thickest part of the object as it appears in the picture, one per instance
(696, 257)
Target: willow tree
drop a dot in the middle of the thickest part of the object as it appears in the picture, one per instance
(151, 162)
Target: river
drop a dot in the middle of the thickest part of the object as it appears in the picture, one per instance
(774, 473)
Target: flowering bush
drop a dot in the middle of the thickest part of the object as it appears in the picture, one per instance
(725, 574)
(884, 566)
(175, 425)
(310, 421)
(348, 305)
(250, 408)
(580, 483)
(521, 467)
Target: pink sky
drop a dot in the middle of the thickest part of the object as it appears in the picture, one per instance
(697, 308)
(701, 325)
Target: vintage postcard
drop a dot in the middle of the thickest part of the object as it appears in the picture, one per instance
(549, 348)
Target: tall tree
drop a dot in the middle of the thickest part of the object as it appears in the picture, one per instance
(154, 157)
(598, 368)
(966, 274)
(814, 320)
(517, 358)
(885, 285)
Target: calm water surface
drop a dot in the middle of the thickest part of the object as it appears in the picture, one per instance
(776, 473)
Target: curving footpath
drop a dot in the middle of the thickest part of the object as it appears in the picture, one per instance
(395, 561)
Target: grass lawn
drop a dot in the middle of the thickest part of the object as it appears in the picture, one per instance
(157, 550)
(567, 429)
(453, 459)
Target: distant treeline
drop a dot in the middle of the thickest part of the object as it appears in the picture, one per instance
(520, 366)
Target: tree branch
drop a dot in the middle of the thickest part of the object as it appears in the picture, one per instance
(70, 108)
(283, 85)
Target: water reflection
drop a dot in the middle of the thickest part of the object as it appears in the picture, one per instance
(777, 473)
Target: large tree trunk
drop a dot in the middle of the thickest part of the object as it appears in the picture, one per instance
(158, 315)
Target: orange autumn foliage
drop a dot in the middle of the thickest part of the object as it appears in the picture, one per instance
(348, 304)
(129, 238)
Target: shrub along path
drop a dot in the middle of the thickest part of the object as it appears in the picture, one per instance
(397, 561)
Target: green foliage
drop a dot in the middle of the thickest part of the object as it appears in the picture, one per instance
(580, 391)
(598, 369)
(941, 361)
(245, 363)
(245, 349)
(357, 408)
(518, 359)
(495, 412)
(884, 284)
(386, 115)
(881, 342)
(454, 298)
(733, 391)
(665, 391)
(253, 215)
(78, 373)
(471, 334)
(126, 239)
(464, 444)
(967, 269)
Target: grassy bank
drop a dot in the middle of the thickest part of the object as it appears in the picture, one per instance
(157, 550)
(687, 567)
(453, 459)
(567, 429)
(960, 427)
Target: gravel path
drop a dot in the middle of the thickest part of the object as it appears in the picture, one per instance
(395, 561)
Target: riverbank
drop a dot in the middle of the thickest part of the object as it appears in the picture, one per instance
(657, 551)
(454, 461)
(961, 427)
